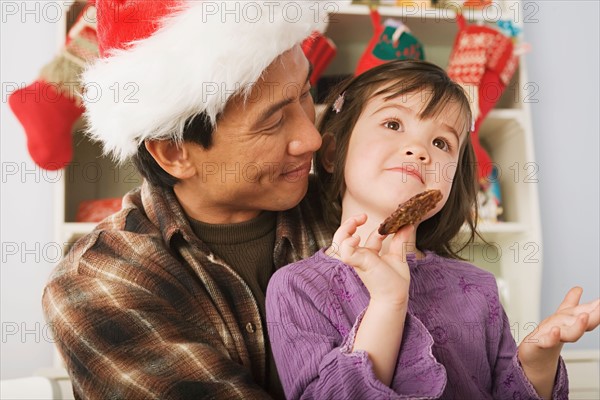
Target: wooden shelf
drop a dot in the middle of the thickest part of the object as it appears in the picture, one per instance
(495, 228)
(79, 228)
(432, 14)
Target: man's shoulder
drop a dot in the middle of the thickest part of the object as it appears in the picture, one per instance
(125, 238)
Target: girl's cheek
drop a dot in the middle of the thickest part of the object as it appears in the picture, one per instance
(449, 171)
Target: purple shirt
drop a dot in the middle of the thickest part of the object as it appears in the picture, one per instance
(457, 342)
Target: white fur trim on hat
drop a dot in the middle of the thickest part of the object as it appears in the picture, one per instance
(194, 63)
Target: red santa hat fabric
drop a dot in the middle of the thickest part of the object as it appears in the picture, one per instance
(164, 61)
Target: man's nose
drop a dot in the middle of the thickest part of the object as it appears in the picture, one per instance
(306, 136)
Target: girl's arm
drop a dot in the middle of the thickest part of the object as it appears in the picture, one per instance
(315, 309)
(387, 279)
(539, 352)
(380, 336)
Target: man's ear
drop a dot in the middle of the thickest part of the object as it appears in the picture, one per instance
(171, 157)
(328, 160)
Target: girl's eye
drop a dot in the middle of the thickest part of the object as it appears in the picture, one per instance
(393, 125)
(442, 144)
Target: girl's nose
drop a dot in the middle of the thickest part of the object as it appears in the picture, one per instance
(418, 152)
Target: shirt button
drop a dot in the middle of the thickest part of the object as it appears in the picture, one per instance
(250, 327)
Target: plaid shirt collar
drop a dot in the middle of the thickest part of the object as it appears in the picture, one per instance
(297, 234)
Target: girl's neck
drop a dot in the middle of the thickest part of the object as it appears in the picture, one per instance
(374, 219)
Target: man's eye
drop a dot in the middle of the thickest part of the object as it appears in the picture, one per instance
(442, 144)
(274, 125)
(393, 125)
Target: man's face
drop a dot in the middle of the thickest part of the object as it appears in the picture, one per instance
(262, 149)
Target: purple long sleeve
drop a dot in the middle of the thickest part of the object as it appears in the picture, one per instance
(456, 342)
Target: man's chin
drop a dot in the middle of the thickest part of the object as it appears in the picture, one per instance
(292, 197)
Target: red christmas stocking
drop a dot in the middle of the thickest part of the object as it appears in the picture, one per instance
(320, 51)
(49, 107)
(391, 41)
(483, 61)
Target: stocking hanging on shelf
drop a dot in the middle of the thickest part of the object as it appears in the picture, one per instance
(390, 41)
(49, 107)
(483, 60)
(320, 51)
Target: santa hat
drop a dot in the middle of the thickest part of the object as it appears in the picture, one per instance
(162, 62)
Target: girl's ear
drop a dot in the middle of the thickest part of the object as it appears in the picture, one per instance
(171, 157)
(328, 145)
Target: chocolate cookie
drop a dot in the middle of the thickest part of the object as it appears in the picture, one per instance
(411, 211)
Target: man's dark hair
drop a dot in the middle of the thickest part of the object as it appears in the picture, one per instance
(198, 129)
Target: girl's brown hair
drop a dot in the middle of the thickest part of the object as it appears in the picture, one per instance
(394, 79)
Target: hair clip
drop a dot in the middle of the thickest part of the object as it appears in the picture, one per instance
(338, 103)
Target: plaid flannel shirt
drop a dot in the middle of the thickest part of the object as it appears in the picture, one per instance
(141, 309)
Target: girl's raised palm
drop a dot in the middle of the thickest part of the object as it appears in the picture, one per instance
(570, 321)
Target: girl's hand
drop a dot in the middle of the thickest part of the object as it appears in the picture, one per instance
(387, 279)
(540, 350)
(386, 276)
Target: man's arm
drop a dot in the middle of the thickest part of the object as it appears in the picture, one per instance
(121, 340)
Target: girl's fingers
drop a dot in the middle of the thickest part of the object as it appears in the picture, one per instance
(571, 298)
(400, 242)
(588, 307)
(348, 248)
(551, 339)
(361, 258)
(347, 229)
(375, 241)
(594, 319)
(573, 332)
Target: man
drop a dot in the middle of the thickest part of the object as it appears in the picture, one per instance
(165, 299)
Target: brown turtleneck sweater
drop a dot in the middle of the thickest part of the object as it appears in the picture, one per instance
(247, 248)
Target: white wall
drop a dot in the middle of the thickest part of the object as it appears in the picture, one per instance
(564, 65)
(26, 208)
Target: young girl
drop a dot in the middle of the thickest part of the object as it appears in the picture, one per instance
(376, 317)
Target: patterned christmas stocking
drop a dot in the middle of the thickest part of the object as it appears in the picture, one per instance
(483, 61)
(390, 41)
(49, 107)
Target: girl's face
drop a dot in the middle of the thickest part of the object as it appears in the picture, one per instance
(394, 155)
